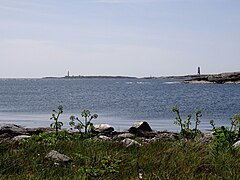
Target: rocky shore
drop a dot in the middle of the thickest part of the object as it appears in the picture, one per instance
(223, 78)
(140, 130)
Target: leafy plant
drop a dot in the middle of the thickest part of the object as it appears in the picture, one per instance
(107, 165)
(55, 116)
(185, 126)
(225, 137)
(76, 123)
(51, 138)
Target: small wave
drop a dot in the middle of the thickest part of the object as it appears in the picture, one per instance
(143, 82)
(129, 82)
(173, 82)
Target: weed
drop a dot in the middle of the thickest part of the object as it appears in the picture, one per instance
(77, 124)
(225, 137)
(55, 116)
(107, 165)
(185, 126)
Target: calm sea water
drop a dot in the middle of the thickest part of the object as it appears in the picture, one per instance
(119, 102)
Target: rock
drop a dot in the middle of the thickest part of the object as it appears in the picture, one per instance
(125, 135)
(20, 137)
(236, 144)
(57, 157)
(5, 136)
(105, 138)
(155, 139)
(142, 125)
(161, 136)
(102, 128)
(140, 129)
(12, 130)
(36, 131)
(129, 142)
(140, 133)
(167, 136)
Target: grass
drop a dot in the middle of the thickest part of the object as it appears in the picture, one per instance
(93, 159)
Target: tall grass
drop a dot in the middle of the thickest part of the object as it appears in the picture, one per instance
(93, 159)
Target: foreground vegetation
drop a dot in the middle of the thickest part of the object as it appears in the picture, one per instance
(95, 159)
(187, 157)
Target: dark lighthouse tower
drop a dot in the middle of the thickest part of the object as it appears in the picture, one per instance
(68, 74)
(198, 71)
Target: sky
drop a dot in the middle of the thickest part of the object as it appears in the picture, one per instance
(40, 38)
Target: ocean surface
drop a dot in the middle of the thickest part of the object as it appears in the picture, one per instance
(118, 102)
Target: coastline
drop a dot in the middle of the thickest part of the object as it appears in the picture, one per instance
(208, 82)
(222, 78)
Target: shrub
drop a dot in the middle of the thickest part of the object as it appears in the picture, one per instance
(105, 166)
(51, 138)
(225, 137)
(77, 124)
(185, 126)
(55, 116)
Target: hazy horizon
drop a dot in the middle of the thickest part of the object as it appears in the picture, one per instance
(140, 38)
(63, 75)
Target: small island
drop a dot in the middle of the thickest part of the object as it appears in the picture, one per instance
(223, 78)
(68, 76)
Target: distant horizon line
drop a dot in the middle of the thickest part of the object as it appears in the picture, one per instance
(115, 76)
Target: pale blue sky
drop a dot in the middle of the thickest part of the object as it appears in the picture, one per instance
(118, 37)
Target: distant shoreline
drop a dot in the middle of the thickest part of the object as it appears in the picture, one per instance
(91, 77)
(184, 77)
(222, 78)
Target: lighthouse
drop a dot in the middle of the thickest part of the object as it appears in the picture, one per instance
(198, 71)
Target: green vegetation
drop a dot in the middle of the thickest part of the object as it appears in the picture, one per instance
(225, 137)
(185, 129)
(87, 125)
(55, 116)
(97, 159)
(94, 159)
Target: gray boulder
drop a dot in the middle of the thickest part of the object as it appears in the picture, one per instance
(125, 135)
(21, 137)
(36, 131)
(105, 138)
(5, 136)
(12, 130)
(236, 144)
(140, 128)
(129, 142)
(142, 125)
(165, 136)
(102, 128)
(57, 157)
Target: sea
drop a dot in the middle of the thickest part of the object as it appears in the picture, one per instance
(118, 101)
